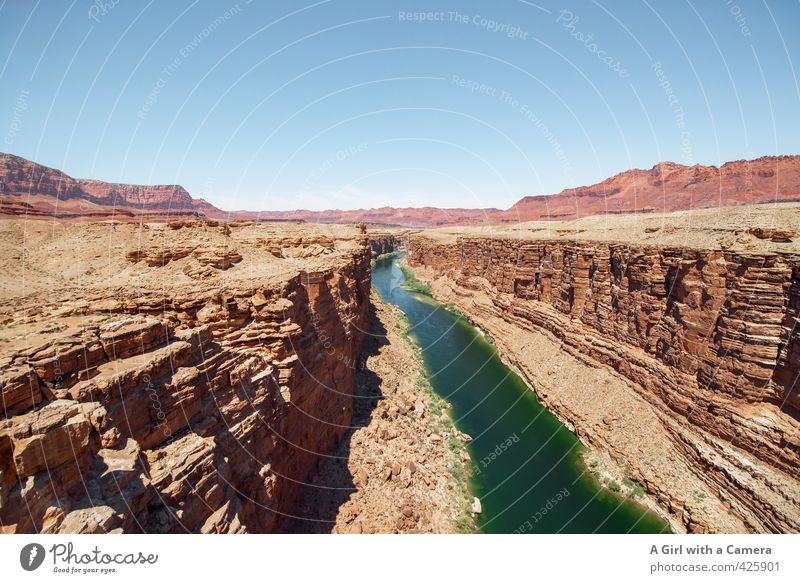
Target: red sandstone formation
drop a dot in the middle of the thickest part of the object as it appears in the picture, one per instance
(162, 196)
(388, 216)
(32, 191)
(702, 339)
(670, 187)
(23, 178)
(172, 378)
(665, 187)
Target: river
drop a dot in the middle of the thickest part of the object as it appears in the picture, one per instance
(526, 465)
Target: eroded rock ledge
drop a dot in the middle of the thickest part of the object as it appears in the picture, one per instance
(173, 378)
(382, 242)
(681, 362)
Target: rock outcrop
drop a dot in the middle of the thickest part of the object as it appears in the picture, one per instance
(157, 197)
(665, 187)
(177, 378)
(706, 338)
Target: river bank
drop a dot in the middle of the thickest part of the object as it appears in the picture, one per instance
(561, 385)
(598, 460)
(630, 440)
(400, 468)
(527, 466)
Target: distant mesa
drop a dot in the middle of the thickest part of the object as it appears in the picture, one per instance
(668, 187)
(33, 191)
(30, 190)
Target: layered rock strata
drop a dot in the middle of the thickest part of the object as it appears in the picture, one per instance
(19, 176)
(383, 242)
(683, 361)
(180, 378)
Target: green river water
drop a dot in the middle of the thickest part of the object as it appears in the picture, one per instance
(526, 465)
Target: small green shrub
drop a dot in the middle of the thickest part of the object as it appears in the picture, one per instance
(412, 284)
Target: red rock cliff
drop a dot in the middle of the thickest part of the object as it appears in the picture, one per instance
(383, 242)
(187, 385)
(19, 176)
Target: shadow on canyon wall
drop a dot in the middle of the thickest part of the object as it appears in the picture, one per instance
(330, 482)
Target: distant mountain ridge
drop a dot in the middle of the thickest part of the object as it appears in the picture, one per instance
(35, 191)
(672, 187)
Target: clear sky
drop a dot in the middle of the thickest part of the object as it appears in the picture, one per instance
(351, 104)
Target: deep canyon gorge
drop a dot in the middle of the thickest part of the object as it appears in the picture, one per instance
(209, 377)
(205, 376)
(169, 372)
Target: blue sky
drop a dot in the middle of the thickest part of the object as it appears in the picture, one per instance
(352, 104)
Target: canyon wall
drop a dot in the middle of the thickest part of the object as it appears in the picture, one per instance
(707, 337)
(180, 378)
(383, 242)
